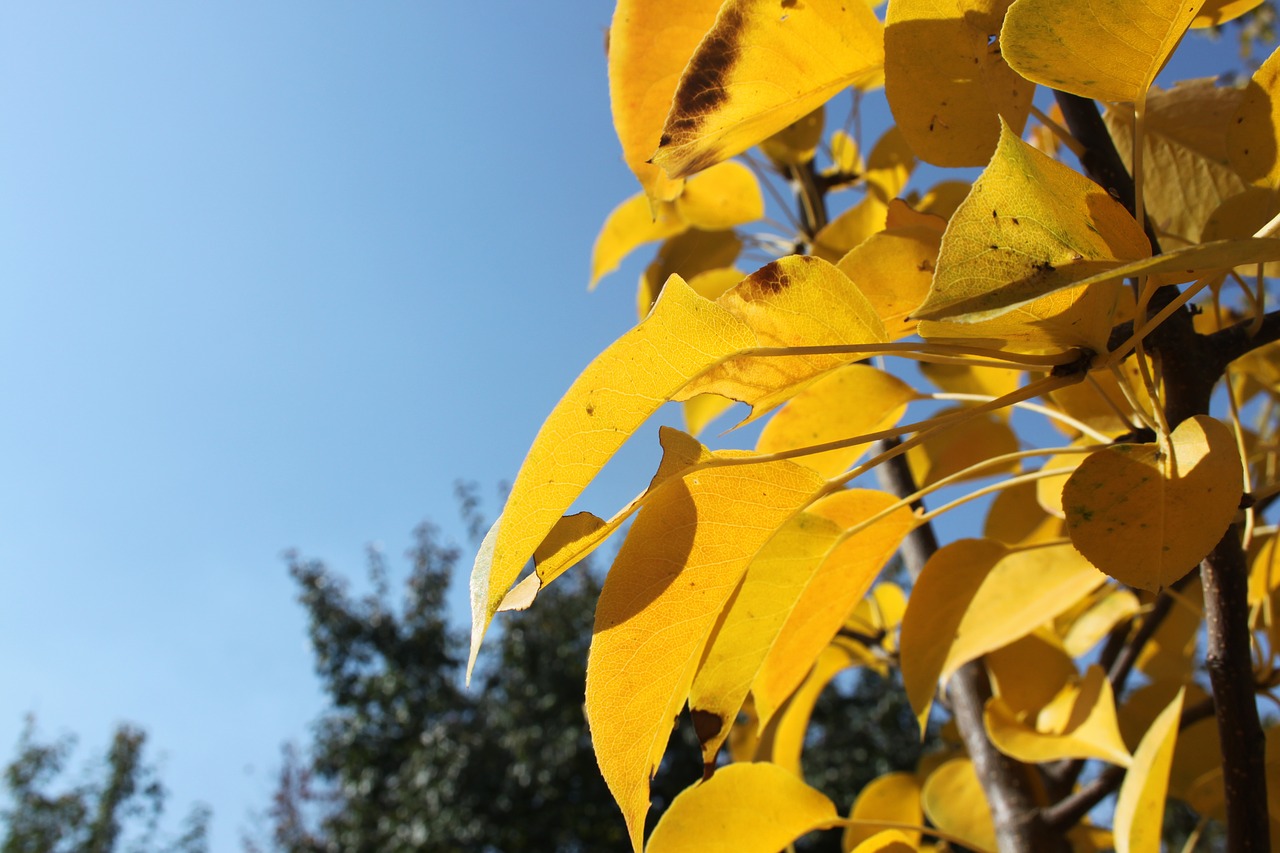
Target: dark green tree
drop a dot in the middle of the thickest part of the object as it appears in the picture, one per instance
(117, 809)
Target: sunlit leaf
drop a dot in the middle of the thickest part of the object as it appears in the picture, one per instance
(887, 841)
(894, 269)
(1140, 805)
(1088, 629)
(1016, 518)
(1049, 489)
(1028, 673)
(794, 301)
(797, 142)
(742, 807)
(842, 579)
(686, 255)
(649, 45)
(617, 392)
(964, 444)
(682, 559)
(976, 595)
(1090, 730)
(1029, 227)
(1184, 161)
(1251, 137)
(1103, 50)
(783, 738)
(759, 69)
(851, 400)
(888, 168)
(947, 82)
(722, 197)
(953, 800)
(1147, 518)
(1217, 12)
(893, 798)
(1171, 652)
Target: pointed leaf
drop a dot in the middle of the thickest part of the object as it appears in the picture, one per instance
(953, 800)
(1147, 519)
(649, 45)
(1029, 225)
(759, 69)
(1110, 51)
(888, 841)
(1217, 12)
(1140, 806)
(946, 80)
(849, 401)
(1091, 730)
(893, 798)
(683, 558)
(742, 808)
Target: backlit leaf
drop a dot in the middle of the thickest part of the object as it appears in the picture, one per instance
(682, 559)
(887, 841)
(797, 142)
(782, 739)
(617, 392)
(1140, 806)
(1251, 137)
(1090, 730)
(649, 45)
(1088, 629)
(953, 800)
(1216, 12)
(1031, 226)
(947, 82)
(1016, 518)
(976, 595)
(851, 400)
(893, 798)
(832, 591)
(743, 807)
(967, 443)
(1146, 518)
(1101, 49)
(686, 255)
(894, 269)
(759, 69)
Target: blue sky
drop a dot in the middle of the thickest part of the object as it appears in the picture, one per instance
(275, 275)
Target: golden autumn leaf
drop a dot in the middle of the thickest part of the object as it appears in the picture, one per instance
(683, 558)
(893, 798)
(888, 168)
(1251, 137)
(1171, 653)
(852, 400)
(1089, 730)
(797, 142)
(795, 301)
(720, 198)
(1088, 629)
(1016, 518)
(976, 595)
(966, 443)
(649, 45)
(1146, 517)
(954, 802)
(687, 255)
(1028, 673)
(782, 739)
(1186, 172)
(759, 69)
(1096, 49)
(1141, 803)
(888, 841)
(1030, 226)
(742, 807)
(947, 82)
(617, 392)
(1217, 12)
(894, 270)
(751, 622)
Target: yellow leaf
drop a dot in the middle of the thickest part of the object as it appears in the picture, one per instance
(889, 165)
(1217, 12)
(1028, 673)
(1088, 629)
(782, 739)
(686, 255)
(1186, 173)
(742, 807)
(617, 392)
(971, 379)
(649, 44)
(1049, 489)
(681, 561)
(947, 83)
(796, 143)
(1030, 226)
(892, 798)
(887, 171)
(722, 197)
(966, 443)
(850, 400)
(1140, 805)
(794, 301)
(888, 841)
(832, 591)
(1171, 653)
(1104, 50)
(1090, 730)
(1251, 137)
(880, 613)
(974, 596)
(1147, 518)
(1264, 571)
(702, 409)
(759, 69)
(954, 802)
(1016, 518)
(750, 624)
(894, 269)
(943, 199)
(1099, 403)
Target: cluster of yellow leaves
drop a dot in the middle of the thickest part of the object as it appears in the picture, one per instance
(747, 579)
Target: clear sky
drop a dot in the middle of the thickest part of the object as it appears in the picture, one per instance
(275, 274)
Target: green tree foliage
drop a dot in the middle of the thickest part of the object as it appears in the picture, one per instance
(118, 808)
